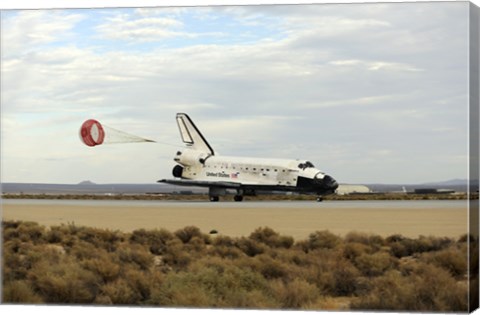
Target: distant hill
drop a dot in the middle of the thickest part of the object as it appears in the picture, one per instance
(86, 182)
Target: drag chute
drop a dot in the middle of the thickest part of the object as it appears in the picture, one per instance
(93, 133)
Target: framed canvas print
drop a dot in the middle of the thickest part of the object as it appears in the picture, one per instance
(260, 156)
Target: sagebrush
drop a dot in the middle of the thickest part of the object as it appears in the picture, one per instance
(70, 264)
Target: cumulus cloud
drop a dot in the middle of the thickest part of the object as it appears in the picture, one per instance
(122, 27)
(29, 29)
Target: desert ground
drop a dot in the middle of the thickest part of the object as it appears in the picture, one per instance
(295, 219)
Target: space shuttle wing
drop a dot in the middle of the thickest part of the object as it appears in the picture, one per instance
(200, 183)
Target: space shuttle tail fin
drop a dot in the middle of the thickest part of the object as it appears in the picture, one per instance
(191, 136)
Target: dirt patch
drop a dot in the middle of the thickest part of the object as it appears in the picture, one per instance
(448, 221)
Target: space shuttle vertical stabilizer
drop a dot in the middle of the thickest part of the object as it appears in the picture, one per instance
(191, 136)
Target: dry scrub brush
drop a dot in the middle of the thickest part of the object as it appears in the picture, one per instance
(68, 264)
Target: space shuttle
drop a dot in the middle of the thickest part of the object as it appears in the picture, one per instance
(199, 165)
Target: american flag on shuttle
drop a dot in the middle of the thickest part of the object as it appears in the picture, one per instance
(234, 175)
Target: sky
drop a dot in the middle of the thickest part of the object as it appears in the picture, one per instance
(370, 93)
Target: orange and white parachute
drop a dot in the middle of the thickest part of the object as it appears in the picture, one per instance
(93, 133)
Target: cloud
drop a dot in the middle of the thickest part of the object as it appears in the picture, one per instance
(375, 65)
(149, 26)
(27, 29)
(361, 101)
(344, 86)
(144, 29)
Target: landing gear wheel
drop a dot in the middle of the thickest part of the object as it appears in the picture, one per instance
(214, 198)
(319, 199)
(238, 198)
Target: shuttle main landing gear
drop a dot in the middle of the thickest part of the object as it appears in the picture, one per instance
(215, 192)
(214, 198)
(239, 196)
(319, 199)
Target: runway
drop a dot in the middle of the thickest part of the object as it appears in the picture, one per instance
(297, 219)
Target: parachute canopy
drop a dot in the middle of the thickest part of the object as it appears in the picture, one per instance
(93, 133)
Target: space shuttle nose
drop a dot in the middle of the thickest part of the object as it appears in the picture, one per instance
(329, 182)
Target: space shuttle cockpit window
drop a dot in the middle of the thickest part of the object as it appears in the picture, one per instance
(305, 165)
(309, 164)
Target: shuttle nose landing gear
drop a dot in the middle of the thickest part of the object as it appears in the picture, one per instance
(319, 199)
(214, 198)
(238, 198)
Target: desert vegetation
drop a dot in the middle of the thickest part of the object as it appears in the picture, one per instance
(71, 264)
